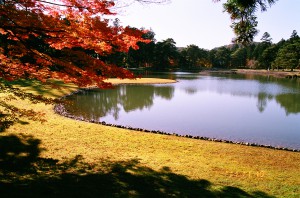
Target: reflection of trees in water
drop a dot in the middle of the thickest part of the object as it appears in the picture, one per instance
(262, 101)
(190, 90)
(136, 98)
(288, 83)
(262, 79)
(94, 104)
(165, 92)
(290, 102)
(140, 97)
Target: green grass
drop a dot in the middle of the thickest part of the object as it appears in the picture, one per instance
(67, 158)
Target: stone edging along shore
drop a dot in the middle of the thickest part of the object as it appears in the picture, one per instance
(60, 109)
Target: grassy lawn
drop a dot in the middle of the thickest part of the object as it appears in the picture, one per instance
(68, 158)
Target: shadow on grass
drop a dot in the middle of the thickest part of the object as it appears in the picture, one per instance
(18, 153)
(24, 174)
(6, 122)
(50, 89)
(11, 92)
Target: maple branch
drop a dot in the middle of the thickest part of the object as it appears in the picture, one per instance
(48, 2)
(62, 5)
(31, 29)
(28, 47)
(70, 6)
(152, 1)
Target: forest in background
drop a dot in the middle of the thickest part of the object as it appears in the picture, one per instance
(165, 55)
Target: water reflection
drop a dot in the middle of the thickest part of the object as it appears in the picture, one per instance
(290, 102)
(95, 103)
(286, 92)
(262, 100)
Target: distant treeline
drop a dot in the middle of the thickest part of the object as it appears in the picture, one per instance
(164, 55)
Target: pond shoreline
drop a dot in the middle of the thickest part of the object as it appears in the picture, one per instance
(60, 109)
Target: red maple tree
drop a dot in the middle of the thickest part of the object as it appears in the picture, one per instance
(58, 39)
(45, 39)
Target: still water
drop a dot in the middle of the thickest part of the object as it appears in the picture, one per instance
(252, 109)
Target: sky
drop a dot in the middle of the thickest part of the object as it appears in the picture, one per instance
(203, 22)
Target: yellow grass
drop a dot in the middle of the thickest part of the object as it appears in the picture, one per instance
(140, 81)
(251, 169)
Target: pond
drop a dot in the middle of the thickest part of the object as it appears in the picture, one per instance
(242, 108)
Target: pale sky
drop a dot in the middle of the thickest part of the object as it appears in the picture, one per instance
(203, 23)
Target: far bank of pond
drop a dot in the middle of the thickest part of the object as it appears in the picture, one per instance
(261, 72)
(250, 110)
(274, 73)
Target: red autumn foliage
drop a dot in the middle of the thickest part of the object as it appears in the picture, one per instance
(44, 39)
